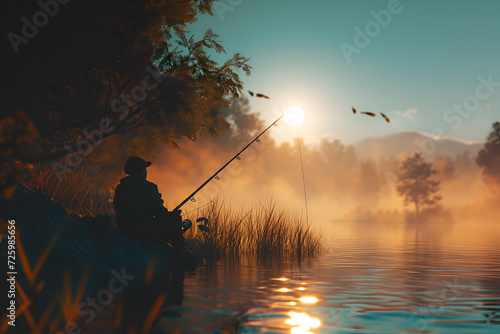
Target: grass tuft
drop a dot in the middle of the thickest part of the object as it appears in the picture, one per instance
(268, 231)
(74, 190)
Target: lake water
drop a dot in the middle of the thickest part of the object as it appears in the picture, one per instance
(375, 279)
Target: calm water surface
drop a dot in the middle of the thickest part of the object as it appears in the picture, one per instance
(375, 279)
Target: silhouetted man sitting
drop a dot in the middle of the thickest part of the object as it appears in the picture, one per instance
(139, 209)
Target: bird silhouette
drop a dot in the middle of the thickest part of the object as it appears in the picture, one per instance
(354, 111)
(386, 118)
(258, 95)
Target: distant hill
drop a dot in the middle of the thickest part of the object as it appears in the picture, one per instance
(408, 141)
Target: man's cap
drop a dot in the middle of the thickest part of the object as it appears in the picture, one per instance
(135, 164)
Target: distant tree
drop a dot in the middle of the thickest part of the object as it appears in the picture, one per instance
(340, 162)
(367, 184)
(445, 166)
(415, 185)
(489, 158)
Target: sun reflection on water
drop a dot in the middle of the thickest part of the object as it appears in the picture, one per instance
(309, 300)
(303, 322)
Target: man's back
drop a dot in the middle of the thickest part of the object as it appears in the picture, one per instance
(137, 202)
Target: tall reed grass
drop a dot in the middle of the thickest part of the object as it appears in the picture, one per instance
(264, 232)
(268, 231)
(75, 191)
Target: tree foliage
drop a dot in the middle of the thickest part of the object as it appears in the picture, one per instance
(489, 158)
(15, 131)
(130, 63)
(415, 185)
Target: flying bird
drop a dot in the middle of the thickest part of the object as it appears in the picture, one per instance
(258, 95)
(386, 118)
(371, 114)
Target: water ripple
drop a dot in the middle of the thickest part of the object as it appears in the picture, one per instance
(360, 287)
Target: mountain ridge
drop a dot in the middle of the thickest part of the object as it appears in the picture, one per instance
(408, 142)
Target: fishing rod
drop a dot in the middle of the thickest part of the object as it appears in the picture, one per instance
(237, 156)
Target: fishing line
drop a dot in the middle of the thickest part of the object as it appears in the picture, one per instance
(303, 177)
(198, 208)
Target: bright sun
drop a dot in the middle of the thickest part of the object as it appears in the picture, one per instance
(294, 115)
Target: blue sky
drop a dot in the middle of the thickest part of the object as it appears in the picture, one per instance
(415, 67)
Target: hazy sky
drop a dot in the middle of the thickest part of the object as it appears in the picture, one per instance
(418, 60)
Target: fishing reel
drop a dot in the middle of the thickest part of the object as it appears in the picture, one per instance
(187, 224)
